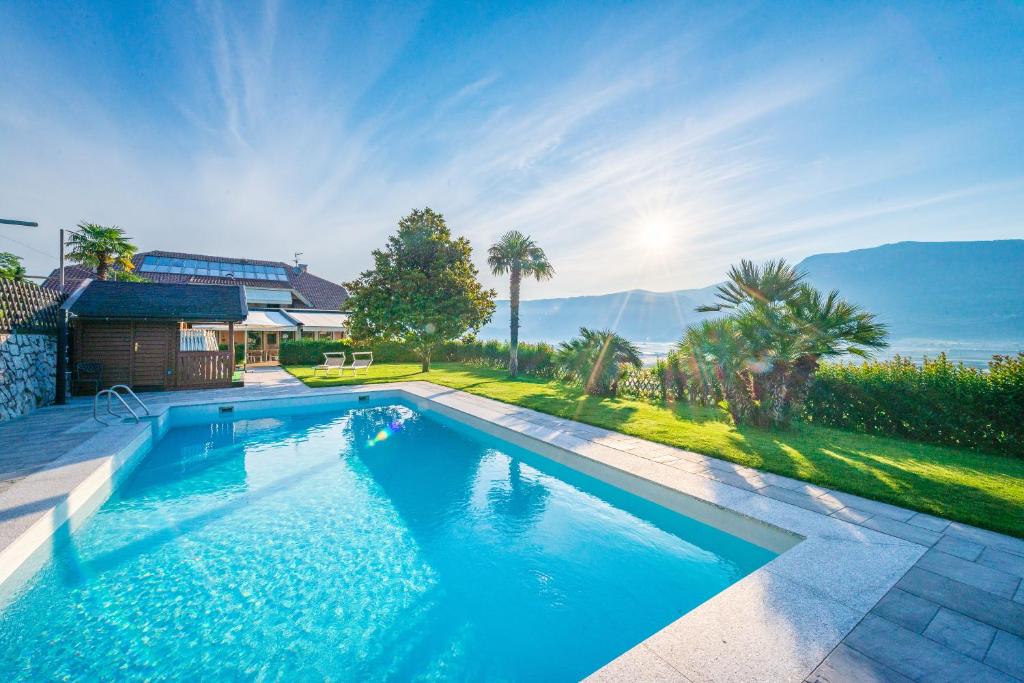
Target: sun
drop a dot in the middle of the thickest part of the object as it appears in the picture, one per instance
(655, 233)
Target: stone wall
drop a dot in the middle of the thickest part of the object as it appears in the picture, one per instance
(27, 373)
(28, 347)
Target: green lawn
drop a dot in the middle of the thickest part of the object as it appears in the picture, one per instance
(977, 488)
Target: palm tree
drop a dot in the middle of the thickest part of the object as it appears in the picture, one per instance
(751, 285)
(825, 327)
(766, 352)
(10, 267)
(719, 356)
(517, 255)
(101, 248)
(597, 358)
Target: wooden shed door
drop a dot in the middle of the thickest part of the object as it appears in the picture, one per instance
(151, 354)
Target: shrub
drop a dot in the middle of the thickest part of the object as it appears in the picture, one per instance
(597, 359)
(309, 351)
(533, 358)
(765, 351)
(938, 401)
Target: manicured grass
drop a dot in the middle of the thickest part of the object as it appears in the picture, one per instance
(976, 488)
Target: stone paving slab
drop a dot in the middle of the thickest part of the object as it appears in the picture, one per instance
(906, 610)
(1007, 654)
(929, 623)
(965, 550)
(915, 656)
(987, 608)
(963, 634)
(972, 573)
(846, 665)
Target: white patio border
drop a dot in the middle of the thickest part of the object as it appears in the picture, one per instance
(776, 624)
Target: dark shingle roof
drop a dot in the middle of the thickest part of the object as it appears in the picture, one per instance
(156, 301)
(27, 307)
(314, 292)
(73, 276)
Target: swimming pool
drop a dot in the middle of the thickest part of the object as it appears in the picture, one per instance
(377, 542)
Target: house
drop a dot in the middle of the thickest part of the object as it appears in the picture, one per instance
(133, 334)
(285, 301)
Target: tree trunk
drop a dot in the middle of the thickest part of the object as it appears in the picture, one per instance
(101, 268)
(425, 358)
(513, 346)
(737, 394)
(799, 383)
(773, 395)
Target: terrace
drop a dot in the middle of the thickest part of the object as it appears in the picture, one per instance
(873, 591)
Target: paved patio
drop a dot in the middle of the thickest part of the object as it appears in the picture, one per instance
(956, 615)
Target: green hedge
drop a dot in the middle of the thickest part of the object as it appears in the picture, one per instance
(938, 401)
(533, 358)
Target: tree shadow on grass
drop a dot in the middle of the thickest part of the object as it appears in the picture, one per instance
(572, 403)
(878, 475)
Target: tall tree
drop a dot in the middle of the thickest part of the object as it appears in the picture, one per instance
(423, 289)
(101, 248)
(518, 256)
(10, 267)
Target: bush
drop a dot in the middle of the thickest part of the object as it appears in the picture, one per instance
(597, 360)
(533, 358)
(938, 401)
(309, 351)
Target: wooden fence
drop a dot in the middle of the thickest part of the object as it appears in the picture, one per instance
(204, 369)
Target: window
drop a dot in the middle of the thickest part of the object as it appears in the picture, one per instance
(308, 335)
(191, 266)
(287, 336)
(255, 340)
(271, 338)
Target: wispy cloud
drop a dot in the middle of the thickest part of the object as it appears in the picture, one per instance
(286, 132)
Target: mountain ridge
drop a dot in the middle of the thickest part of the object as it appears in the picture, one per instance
(967, 290)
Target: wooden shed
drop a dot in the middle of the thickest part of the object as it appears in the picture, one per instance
(134, 331)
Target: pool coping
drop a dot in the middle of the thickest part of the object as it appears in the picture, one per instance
(777, 623)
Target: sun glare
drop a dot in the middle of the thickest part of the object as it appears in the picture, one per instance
(655, 233)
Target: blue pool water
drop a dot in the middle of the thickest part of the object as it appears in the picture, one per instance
(377, 543)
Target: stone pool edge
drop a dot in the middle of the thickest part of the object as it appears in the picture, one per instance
(778, 623)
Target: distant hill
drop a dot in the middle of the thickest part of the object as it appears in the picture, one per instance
(937, 290)
(944, 290)
(638, 314)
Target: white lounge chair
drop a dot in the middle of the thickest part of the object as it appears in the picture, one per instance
(361, 360)
(334, 360)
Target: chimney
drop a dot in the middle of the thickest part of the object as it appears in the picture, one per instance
(301, 267)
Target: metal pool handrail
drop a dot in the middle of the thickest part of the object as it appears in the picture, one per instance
(109, 393)
(133, 395)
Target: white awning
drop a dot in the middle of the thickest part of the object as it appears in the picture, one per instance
(320, 321)
(268, 321)
(266, 295)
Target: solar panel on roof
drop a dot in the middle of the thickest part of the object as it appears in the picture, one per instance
(188, 266)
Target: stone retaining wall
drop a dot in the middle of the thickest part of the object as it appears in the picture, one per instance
(27, 373)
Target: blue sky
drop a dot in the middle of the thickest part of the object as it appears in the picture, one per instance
(644, 145)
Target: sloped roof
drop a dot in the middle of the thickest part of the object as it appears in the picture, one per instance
(27, 307)
(158, 301)
(313, 291)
